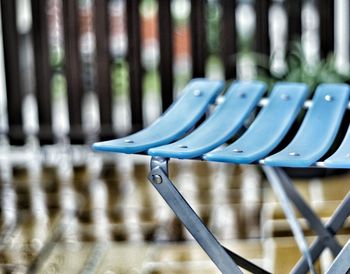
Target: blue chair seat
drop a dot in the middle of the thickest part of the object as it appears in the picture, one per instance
(171, 135)
(253, 138)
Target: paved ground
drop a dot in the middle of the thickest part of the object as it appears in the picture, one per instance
(104, 217)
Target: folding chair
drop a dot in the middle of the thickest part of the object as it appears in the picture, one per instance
(175, 135)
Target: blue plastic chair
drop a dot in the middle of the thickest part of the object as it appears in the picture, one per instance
(173, 136)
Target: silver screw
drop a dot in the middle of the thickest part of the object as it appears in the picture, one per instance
(157, 179)
(294, 154)
(328, 98)
(182, 146)
(285, 97)
(128, 141)
(197, 92)
(237, 150)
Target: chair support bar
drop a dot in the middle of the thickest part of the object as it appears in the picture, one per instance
(171, 137)
(224, 259)
(341, 263)
(286, 193)
(334, 224)
(276, 183)
(310, 216)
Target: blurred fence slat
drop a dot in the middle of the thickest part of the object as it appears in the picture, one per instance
(198, 37)
(12, 72)
(262, 39)
(134, 59)
(293, 8)
(326, 13)
(103, 69)
(73, 69)
(228, 35)
(166, 52)
(73, 61)
(42, 70)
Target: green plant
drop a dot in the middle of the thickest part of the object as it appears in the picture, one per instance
(120, 77)
(298, 70)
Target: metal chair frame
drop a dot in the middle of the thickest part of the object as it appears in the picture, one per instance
(322, 121)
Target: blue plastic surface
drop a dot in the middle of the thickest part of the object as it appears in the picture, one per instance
(240, 100)
(318, 130)
(340, 158)
(269, 127)
(174, 123)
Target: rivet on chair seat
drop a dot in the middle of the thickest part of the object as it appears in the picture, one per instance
(328, 98)
(197, 92)
(237, 150)
(285, 97)
(182, 146)
(128, 141)
(293, 154)
(242, 95)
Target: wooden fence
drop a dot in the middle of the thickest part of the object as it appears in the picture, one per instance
(72, 69)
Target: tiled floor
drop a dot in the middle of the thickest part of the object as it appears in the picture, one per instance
(105, 217)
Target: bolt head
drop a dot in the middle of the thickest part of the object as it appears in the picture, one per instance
(128, 141)
(182, 146)
(294, 154)
(328, 98)
(197, 92)
(285, 97)
(237, 150)
(157, 179)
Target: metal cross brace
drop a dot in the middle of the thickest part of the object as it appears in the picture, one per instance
(226, 260)
(341, 263)
(333, 225)
(287, 193)
(276, 183)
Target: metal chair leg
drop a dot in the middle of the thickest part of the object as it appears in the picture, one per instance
(334, 224)
(341, 263)
(284, 188)
(313, 220)
(276, 184)
(224, 259)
